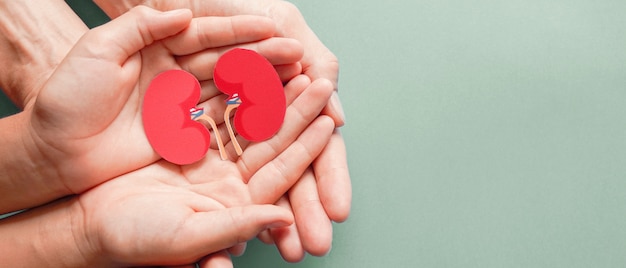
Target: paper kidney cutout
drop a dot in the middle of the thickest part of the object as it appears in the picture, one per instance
(170, 97)
(263, 104)
(166, 119)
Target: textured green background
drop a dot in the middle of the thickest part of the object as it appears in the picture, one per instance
(480, 133)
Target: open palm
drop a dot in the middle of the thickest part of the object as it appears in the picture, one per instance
(172, 215)
(328, 181)
(92, 120)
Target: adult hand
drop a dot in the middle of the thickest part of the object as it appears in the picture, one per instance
(34, 37)
(166, 214)
(170, 215)
(318, 61)
(94, 96)
(330, 197)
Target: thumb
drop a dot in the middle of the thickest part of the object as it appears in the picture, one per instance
(208, 232)
(122, 37)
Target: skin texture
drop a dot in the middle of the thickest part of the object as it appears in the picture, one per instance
(331, 173)
(29, 53)
(93, 98)
(330, 169)
(163, 205)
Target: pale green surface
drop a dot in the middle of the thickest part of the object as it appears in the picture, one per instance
(480, 133)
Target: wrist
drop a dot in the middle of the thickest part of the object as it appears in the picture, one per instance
(86, 246)
(33, 41)
(28, 179)
(49, 236)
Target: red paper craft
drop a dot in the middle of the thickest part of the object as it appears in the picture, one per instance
(166, 121)
(246, 74)
(170, 117)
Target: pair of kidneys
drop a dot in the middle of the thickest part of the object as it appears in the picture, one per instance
(173, 123)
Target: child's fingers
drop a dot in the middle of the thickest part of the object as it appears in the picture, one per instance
(286, 72)
(210, 91)
(305, 108)
(278, 51)
(275, 178)
(293, 89)
(213, 32)
(213, 103)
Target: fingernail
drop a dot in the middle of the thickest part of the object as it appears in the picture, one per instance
(337, 109)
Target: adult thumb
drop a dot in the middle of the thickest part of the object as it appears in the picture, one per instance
(124, 36)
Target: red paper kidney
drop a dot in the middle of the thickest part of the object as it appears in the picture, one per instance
(166, 119)
(254, 79)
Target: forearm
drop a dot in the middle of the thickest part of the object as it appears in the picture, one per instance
(27, 179)
(34, 38)
(48, 236)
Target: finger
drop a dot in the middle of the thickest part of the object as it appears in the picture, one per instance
(215, 105)
(287, 239)
(314, 227)
(265, 237)
(219, 259)
(214, 101)
(319, 61)
(136, 29)
(208, 232)
(212, 32)
(334, 109)
(274, 179)
(278, 51)
(333, 179)
(286, 72)
(299, 114)
(238, 249)
(293, 89)
(210, 91)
